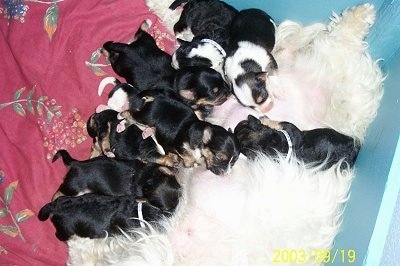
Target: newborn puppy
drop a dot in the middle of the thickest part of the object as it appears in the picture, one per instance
(130, 144)
(98, 216)
(201, 88)
(178, 130)
(99, 128)
(322, 145)
(249, 60)
(209, 22)
(141, 62)
(102, 175)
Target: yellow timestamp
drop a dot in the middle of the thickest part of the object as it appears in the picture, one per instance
(316, 256)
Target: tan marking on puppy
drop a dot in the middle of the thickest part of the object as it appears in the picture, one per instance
(270, 123)
(105, 143)
(170, 159)
(56, 195)
(190, 157)
(208, 155)
(96, 149)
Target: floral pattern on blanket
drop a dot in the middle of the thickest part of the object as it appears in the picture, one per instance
(59, 131)
(17, 9)
(9, 221)
(48, 93)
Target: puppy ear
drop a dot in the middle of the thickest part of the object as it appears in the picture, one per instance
(253, 120)
(207, 135)
(187, 94)
(181, 41)
(261, 76)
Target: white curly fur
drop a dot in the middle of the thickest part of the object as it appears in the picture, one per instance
(326, 76)
(267, 204)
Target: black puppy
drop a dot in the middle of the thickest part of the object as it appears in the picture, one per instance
(102, 175)
(99, 128)
(208, 21)
(322, 145)
(130, 144)
(201, 88)
(249, 60)
(141, 62)
(178, 129)
(97, 216)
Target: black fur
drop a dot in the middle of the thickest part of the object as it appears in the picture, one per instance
(102, 175)
(97, 216)
(321, 145)
(178, 129)
(141, 62)
(207, 19)
(201, 88)
(126, 145)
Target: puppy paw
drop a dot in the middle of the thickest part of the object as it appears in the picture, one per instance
(109, 154)
(148, 131)
(170, 159)
(270, 123)
(121, 126)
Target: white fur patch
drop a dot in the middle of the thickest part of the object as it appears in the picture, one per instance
(233, 68)
(185, 35)
(118, 100)
(207, 50)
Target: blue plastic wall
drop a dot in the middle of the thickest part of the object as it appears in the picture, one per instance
(361, 231)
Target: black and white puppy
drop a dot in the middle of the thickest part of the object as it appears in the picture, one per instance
(249, 60)
(178, 129)
(106, 176)
(140, 62)
(98, 216)
(209, 22)
(318, 146)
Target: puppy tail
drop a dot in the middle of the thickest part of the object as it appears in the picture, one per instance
(67, 159)
(104, 82)
(177, 3)
(45, 211)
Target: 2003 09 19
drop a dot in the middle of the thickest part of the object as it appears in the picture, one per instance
(318, 256)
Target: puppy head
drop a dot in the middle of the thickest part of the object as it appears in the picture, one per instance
(159, 186)
(98, 123)
(254, 136)
(203, 86)
(121, 55)
(251, 90)
(198, 53)
(220, 149)
(251, 82)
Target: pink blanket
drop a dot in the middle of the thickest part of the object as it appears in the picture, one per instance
(49, 75)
